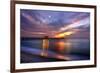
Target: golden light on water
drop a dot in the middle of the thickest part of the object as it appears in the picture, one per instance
(63, 57)
(60, 45)
(68, 47)
(45, 46)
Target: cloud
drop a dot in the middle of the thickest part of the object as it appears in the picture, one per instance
(78, 23)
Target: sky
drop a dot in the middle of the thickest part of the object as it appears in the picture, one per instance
(40, 23)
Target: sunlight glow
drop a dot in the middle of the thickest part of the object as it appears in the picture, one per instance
(63, 34)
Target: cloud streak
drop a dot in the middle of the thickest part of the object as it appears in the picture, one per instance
(40, 23)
